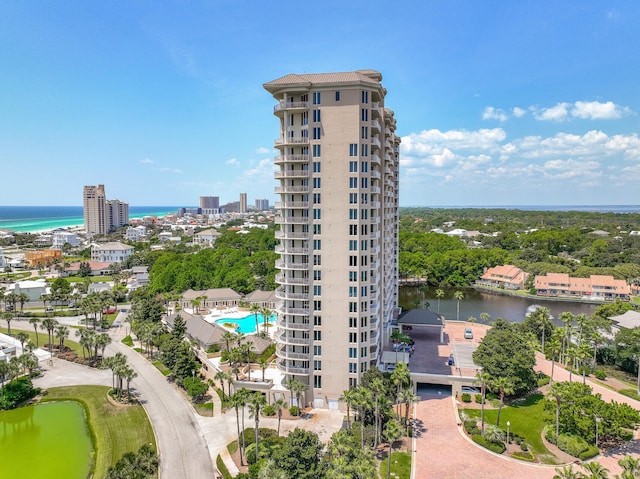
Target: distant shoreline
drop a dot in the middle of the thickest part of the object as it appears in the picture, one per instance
(41, 219)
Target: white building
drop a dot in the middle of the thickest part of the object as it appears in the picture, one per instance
(338, 215)
(60, 238)
(206, 237)
(114, 252)
(136, 233)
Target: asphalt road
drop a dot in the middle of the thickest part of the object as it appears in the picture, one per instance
(182, 447)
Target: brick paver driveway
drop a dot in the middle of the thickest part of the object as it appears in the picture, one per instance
(444, 452)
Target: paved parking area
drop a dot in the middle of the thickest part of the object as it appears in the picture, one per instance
(431, 356)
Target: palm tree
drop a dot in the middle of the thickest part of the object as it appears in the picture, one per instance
(392, 433)
(256, 401)
(62, 332)
(255, 310)
(49, 324)
(35, 322)
(567, 472)
(129, 374)
(630, 465)
(459, 296)
(266, 315)
(494, 433)
(4, 373)
(408, 397)
(23, 298)
(102, 341)
(23, 337)
(8, 317)
(297, 387)
(439, 294)
(401, 377)
(485, 317)
(595, 470)
(278, 406)
(504, 386)
(554, 348)
(248, 347)
(263, 362)
(349, 397)
(221, 377)
(228, 337)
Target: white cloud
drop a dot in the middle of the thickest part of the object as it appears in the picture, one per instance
(171, 170)
(595, 110)
(263, 151)
(232, 162)
(558, 112)
(263, 169)
(146, 161)
(584, 110)
(491, 113)
(518, 112)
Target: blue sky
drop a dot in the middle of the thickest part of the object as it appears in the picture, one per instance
(497, 102)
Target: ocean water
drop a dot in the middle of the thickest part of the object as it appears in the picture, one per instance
(29, 219)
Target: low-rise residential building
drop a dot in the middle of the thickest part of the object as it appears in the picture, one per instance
(210, 298)
(114, 252)
(97, 268)
(136, 233)
(206, 237)
(264, 299)
(60, 238)
(504, 276)
(597, 287)
(32, 288)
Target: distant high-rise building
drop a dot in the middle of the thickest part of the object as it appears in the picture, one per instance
(209, 202)
(95, 217)
(232, 207)
(243, 202)
(338, 215)
(117, 214)
(262, 204)
(101, 215)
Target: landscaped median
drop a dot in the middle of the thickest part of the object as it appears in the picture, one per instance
(115, 429)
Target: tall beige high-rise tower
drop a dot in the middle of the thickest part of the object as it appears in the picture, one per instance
(243, 202)
(101, 215)
(338, 217)
(95, 216)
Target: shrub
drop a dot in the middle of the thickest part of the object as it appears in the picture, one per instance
(571, 444)
(497, 447)
(213, 349)
(626, 434)
(524, 446)
(294, 410)
(543, 380)
(471, 426)
(592, 451)
(600, 374)
(524, 456)
(549, 432)
(250, 453)
(269, 410)
(466, 397)
(478, 398)
(16, 392)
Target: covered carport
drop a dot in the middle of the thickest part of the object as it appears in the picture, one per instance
(421, 317)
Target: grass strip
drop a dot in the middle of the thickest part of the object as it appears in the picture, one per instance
(115, 430)
(400, 465)
(43, 337)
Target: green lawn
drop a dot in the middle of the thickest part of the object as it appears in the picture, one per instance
(400, 465)
(115, 430)
(44, 338)
(527, 419)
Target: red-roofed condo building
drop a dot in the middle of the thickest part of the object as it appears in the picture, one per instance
(338, 215)
(598, 287)
(504, 276)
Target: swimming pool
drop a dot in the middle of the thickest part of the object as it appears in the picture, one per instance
(246, 325)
